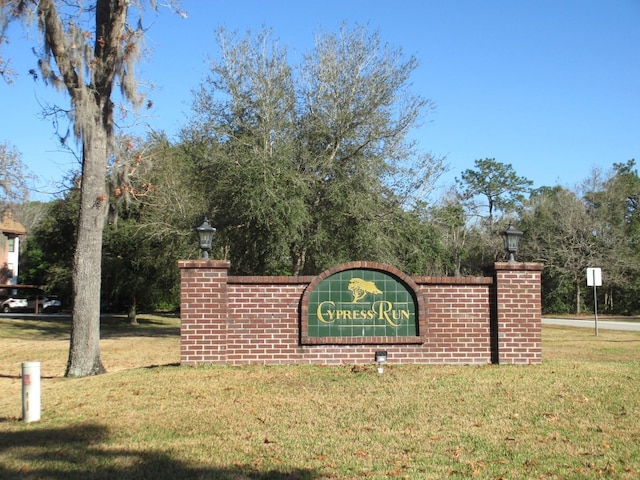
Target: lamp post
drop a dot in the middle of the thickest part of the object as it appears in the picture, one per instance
(511, 238)
(206, 232)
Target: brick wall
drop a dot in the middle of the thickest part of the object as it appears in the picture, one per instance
(256, 320)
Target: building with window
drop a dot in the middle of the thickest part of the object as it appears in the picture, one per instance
(10, 233)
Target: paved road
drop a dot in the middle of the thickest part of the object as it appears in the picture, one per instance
(602, 324)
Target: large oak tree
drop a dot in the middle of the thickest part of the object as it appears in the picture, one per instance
(88, 48)
(310, 164)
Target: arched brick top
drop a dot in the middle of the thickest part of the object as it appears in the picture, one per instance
(380, 267)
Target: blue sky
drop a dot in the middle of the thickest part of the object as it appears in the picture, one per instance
(550, 86)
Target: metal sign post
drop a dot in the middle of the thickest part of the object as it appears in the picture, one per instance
(594, 279)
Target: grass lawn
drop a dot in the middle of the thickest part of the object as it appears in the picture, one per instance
(575, 416)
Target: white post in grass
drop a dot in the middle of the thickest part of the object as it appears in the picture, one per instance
(31, 391)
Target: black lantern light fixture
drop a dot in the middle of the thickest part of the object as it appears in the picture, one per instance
(381, 359)
(511, 238)
(206, 232)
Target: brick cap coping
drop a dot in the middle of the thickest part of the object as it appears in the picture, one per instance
(266, 280)
(453, 280)
(307, 279)
(220, 264)
(519, 266)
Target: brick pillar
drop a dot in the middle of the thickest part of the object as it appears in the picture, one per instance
(518, 312)
(203, 311)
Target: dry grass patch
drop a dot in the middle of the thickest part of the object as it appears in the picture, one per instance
(575, 416)
(46, 339)
(581, 344)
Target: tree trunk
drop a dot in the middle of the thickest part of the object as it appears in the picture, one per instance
(608, 299)
(298, 256)
(132, 314)
(84, 351)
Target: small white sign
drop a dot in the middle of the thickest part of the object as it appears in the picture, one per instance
(594, 277)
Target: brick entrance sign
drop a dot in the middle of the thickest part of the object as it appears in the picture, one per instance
(348, 312)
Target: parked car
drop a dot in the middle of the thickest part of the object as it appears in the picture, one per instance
(13, 304)
(46, 304)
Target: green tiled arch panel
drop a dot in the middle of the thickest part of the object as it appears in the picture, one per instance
(361, 303)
